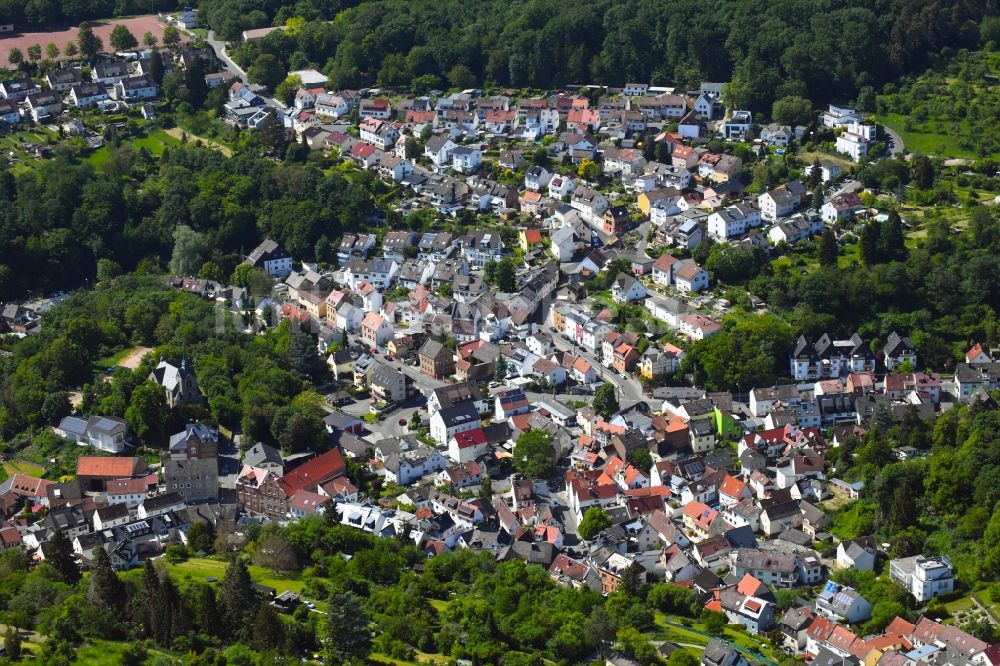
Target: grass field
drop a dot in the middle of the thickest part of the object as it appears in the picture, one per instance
(422, 658)
(176, 133)
(930, 139)
(154, 142)
(24, 467)
(198, 569)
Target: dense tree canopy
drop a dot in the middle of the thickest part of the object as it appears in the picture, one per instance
(779, 50)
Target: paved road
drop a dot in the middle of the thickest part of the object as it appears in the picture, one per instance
(894, 141)
(629, 390)
(219, 47)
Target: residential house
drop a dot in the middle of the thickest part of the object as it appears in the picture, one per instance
(590, 203)
(841, 603)
(733, 221)
(829, 171)
(737, 125)
(17, 89)
(62, 79)
(776, 135)
(436, 360)
(376, 330)
(626, 289)
(842, 206)
(179, 383)
(388, 385)
(468, 445)
(105, 433)
(923, 577)
(375, 108)
(466, 159)
(271, 257)
(898, 350)
(689, 277)
(136, 88)
(44, 105)
(781, 201)
(447, 422)
(536, 178)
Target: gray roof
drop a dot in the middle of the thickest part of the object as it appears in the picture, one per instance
(106, 425)
(199, 430)
(262, 453)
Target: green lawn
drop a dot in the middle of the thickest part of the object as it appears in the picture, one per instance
(697, 635)
(15, 466)
(439, 605)
(197, 569)
(155, 143)
(422, 658)
(109, 653)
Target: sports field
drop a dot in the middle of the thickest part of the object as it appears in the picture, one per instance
(137, 25)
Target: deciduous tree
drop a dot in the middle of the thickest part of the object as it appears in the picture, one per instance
(533, 454)
(90, 44)
(122, 38)
(605, 400)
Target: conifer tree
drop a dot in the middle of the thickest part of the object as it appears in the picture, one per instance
(347, 636)
(105, 590)
(59, 554)
(237, 599)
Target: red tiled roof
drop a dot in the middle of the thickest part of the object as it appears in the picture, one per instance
(108, 467)
(470, 438)
(318, 470)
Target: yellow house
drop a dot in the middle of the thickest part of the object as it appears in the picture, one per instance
(646, 199)
(529, 237)
(314, 303)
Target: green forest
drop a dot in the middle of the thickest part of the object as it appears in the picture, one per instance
(374, 596)
(822, 50)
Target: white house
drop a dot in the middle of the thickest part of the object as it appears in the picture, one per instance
(689, 277)
(776, 135)
(857, 554)
(737, 125)
(828, 170)
(9, 113)
(379, 133)
(536, 178)
(467, 445)
(854, 145)
(838, 116)
(466, 159)
(627, 289)
(445, 423)
(333, 106)
(733, 221)
(349, 317)
(561, 186)
(841, 206)
(841, 603)
(923, 577)
(136, 88)
(781, 201)
(563, 244)
(590, 203)
(272, 257)
(438, 149)
(43, 105)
